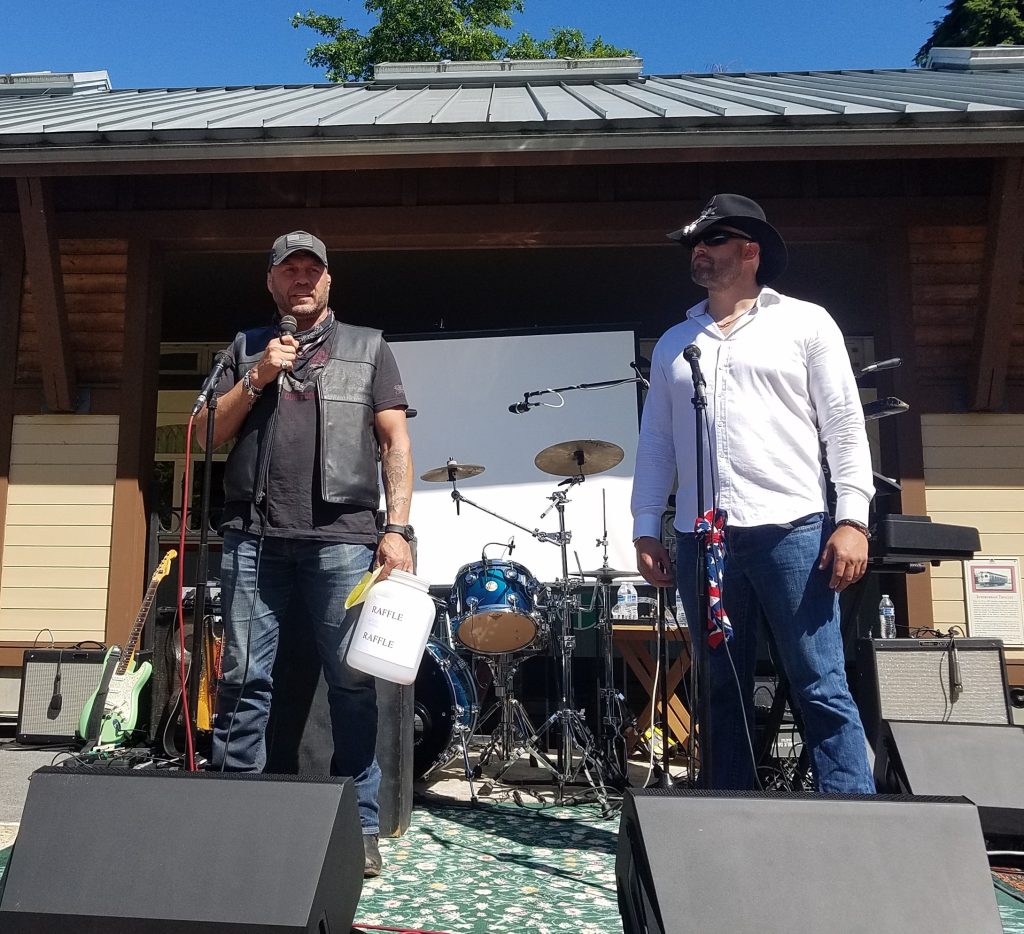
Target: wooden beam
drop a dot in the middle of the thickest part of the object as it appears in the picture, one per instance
(511, 225)
(135, 442)
(42, 259)
(1004, 258)
(903, 451)
(325, 155)
(12, 271)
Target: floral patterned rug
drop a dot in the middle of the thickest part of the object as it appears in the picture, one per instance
(497, 868)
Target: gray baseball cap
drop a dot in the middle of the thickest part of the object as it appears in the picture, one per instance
(294, 242)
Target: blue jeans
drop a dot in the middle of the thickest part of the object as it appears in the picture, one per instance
(315, 577)
(771, 573)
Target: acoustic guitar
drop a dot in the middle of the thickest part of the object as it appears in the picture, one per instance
(110, 714)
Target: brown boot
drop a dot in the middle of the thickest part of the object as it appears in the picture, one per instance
(371, 854)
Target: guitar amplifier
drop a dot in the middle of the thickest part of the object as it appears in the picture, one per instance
(55, 684)
(913, 679)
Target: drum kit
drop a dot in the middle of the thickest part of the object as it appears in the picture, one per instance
(499, 611)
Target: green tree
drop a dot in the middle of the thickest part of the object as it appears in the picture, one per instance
(434, 30)
(976, 22)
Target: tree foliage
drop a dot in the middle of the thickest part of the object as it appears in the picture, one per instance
(976, 22)
(434, 30)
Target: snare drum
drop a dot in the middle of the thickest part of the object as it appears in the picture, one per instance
(493, 608)
(446, 706)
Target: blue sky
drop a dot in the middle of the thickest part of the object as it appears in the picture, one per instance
(184, 43)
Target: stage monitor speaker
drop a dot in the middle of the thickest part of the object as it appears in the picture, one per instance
(724, 862)
(911, 679)
(105, 849)
(982, 763)
(55, 684)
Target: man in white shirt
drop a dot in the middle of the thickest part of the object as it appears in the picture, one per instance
(779, 386)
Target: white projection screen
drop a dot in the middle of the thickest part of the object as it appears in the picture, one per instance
(461, 389)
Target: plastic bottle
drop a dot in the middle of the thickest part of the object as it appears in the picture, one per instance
(393, 627)
(681, 621)
(627, 599)
(886, 618)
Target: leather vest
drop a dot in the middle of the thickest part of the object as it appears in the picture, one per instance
(347, 448)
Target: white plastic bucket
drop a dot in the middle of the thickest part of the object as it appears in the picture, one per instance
(393, 627)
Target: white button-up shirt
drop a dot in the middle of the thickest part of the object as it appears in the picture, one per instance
(778, 385)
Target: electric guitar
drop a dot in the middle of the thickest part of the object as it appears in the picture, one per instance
(113, 708)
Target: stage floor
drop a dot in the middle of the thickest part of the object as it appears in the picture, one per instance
(516, 861)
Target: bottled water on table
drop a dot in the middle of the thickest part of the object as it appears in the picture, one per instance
(886, 618)
(626, 602)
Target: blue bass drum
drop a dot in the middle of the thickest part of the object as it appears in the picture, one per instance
(446, 708)
(493, 608)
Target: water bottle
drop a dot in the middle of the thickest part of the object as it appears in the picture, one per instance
(886, 618)
(627, 600)
(680, 613)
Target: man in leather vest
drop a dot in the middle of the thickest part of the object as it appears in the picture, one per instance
(309, 412)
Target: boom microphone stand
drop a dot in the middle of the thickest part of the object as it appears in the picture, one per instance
(699, 630)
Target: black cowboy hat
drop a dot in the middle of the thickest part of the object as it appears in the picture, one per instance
(742, 214)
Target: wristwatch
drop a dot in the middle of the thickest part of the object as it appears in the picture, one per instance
(406, 531)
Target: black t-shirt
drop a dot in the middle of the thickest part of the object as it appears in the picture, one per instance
(295, 506)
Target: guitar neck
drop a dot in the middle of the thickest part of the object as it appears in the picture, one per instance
(147, 602)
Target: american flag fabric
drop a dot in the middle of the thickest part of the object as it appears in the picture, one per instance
(710, 529)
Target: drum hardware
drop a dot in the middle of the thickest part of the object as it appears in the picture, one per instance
(615, 715)
(511, 736)
(495, 592)
(446, 712)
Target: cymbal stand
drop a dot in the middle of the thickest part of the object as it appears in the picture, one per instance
(614, 714)
(575, 736)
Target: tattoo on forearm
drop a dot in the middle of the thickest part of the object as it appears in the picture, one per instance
(395, 472)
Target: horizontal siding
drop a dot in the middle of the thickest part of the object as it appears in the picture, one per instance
(64, 474)
(60, 494)
(43, 577)
(974, 476)
(56, 556)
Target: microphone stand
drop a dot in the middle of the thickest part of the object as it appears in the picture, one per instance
(202, 573)
(699, 633)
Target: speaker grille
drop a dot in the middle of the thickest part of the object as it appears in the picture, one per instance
(71, 674)
(916, 685)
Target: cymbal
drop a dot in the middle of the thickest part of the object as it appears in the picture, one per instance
(572, 458)
(609, 574)
(452, 472)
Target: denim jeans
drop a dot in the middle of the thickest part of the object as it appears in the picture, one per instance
(294, 576)
(771, 574)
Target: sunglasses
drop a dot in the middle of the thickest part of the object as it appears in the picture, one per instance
(718, 237)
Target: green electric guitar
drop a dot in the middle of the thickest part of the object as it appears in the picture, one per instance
(111, 712)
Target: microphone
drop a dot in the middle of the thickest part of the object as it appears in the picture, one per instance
(220, 364)
(640, 376)
(890, 364)
(517, 408)
(692, 355)
(956, 681)
(287, 325)
(57, 700)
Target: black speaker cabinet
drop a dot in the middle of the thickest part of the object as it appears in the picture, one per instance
(982, 763)
(911, 679)
(720, 863)
(55, 684)
(101, 849)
